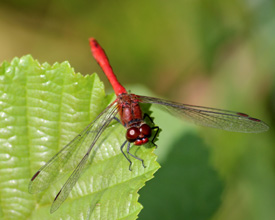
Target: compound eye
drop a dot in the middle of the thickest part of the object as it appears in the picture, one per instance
(132, 134)
(145, 130)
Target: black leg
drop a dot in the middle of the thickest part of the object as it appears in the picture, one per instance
(121, 148)
(128, 151)
(155, 127)
(152, 141)
(147, 116)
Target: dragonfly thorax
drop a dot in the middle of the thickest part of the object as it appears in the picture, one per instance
(139, 134)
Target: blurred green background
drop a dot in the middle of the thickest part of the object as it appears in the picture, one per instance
(205, 52)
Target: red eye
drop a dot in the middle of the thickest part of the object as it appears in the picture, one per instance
(145, 130)
(132, 134)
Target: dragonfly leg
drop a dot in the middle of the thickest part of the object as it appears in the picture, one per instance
(152, 141)
(147, 116)
(155, 127)
(128, 151)
(121, 148)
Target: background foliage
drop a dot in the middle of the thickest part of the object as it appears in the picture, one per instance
(204, 52)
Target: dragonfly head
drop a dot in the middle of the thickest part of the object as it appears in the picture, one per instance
(139, 135)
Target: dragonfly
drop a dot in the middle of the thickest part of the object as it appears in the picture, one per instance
(138, 132)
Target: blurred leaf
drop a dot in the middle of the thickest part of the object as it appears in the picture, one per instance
(213, 30)
(42, 108)
(187, 187)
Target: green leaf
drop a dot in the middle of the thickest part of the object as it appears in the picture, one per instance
(42, 108)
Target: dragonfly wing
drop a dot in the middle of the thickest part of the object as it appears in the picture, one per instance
(99, 125)
(210, 117)
(68, 158)
(66, 189)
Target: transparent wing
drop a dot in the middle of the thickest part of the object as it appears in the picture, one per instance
(68, 158)
(67, 187)
(210, 117)
(100, 126)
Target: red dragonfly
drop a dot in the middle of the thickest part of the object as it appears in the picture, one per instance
(138, 132)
